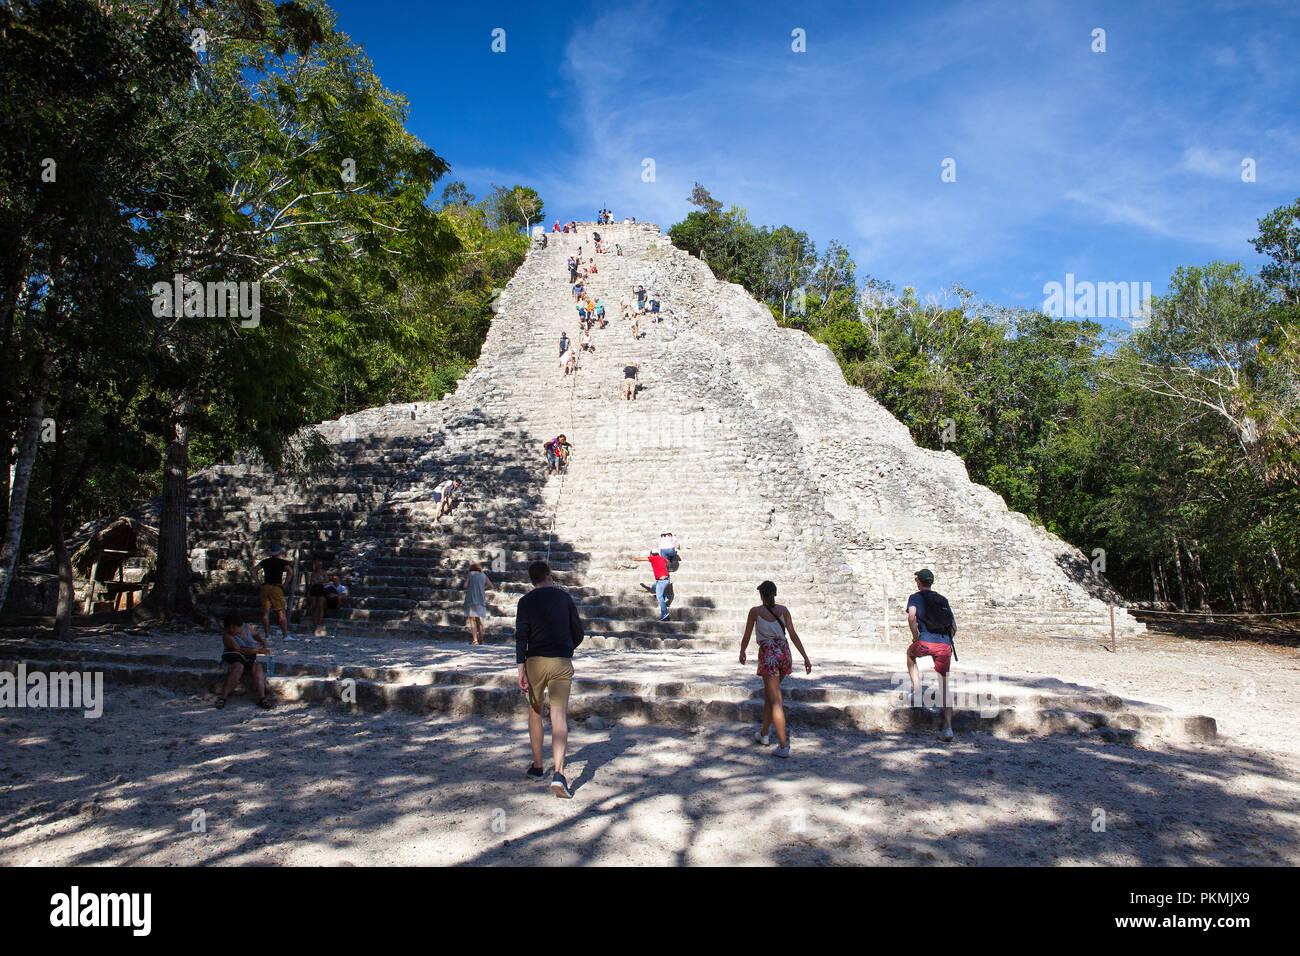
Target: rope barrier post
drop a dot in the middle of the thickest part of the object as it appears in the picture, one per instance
(1112, 629)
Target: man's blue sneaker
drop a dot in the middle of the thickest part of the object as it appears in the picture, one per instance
(560, 786)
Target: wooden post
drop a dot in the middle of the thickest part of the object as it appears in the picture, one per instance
(1112, 629)
(884, 615)
(90, 586)
(293, 588)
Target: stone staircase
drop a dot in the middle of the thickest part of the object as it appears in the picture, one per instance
(686, 689)
(744, 440)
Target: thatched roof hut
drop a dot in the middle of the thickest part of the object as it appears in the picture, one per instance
(113, 545)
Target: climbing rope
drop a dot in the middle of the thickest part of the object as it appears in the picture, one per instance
(559, 495)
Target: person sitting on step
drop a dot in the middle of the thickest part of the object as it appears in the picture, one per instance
(240, 647)
(584, 341)
(335, 592)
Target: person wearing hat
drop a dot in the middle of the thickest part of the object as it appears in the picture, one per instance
(931, 621)
(630, 372)
(274, 569)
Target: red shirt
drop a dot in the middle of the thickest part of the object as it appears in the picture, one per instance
(659, 564)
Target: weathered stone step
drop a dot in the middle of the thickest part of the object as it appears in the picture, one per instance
(674, 703)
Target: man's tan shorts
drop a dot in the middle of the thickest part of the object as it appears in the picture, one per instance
(629, 387)
(272, 598)
(555, 673)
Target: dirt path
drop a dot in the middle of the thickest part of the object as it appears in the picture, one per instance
(308, 784)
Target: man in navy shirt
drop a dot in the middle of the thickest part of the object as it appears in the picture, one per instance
(547, 629)
(923, 612)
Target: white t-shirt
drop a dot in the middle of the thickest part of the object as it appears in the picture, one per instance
(444, 487)
(668, 542)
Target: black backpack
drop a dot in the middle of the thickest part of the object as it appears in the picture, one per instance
(936, 616)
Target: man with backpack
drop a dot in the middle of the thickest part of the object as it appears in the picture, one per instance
(931, 621)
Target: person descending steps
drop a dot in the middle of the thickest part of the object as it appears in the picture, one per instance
(557, 454)
(443, 492)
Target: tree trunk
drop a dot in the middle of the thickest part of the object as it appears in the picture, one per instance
(1178, 567)
(23, 477)
(67, 580)
(173, 552)
(1198, 576)
(62, 557)
(1155, 583)
(1287, 583)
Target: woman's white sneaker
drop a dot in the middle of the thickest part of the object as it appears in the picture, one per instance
(782, 751)
(764, 739)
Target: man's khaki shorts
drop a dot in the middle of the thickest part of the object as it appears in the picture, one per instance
(555, 673)
(272, 598)
(629, 387)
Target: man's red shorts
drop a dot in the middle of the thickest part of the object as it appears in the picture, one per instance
(942, 654)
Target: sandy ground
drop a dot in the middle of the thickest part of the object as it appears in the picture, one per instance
(163, 778)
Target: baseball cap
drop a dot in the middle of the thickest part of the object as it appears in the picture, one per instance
(925, 576)
(275, 549)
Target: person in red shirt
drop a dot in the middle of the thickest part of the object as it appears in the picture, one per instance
(663, 583)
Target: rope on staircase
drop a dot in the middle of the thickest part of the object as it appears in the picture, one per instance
(555, 509)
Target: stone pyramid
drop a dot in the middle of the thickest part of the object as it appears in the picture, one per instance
(744, 440)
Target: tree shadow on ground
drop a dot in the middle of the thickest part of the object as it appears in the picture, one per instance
(396, 787)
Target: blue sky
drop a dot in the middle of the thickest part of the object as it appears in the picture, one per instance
(1115, 166)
